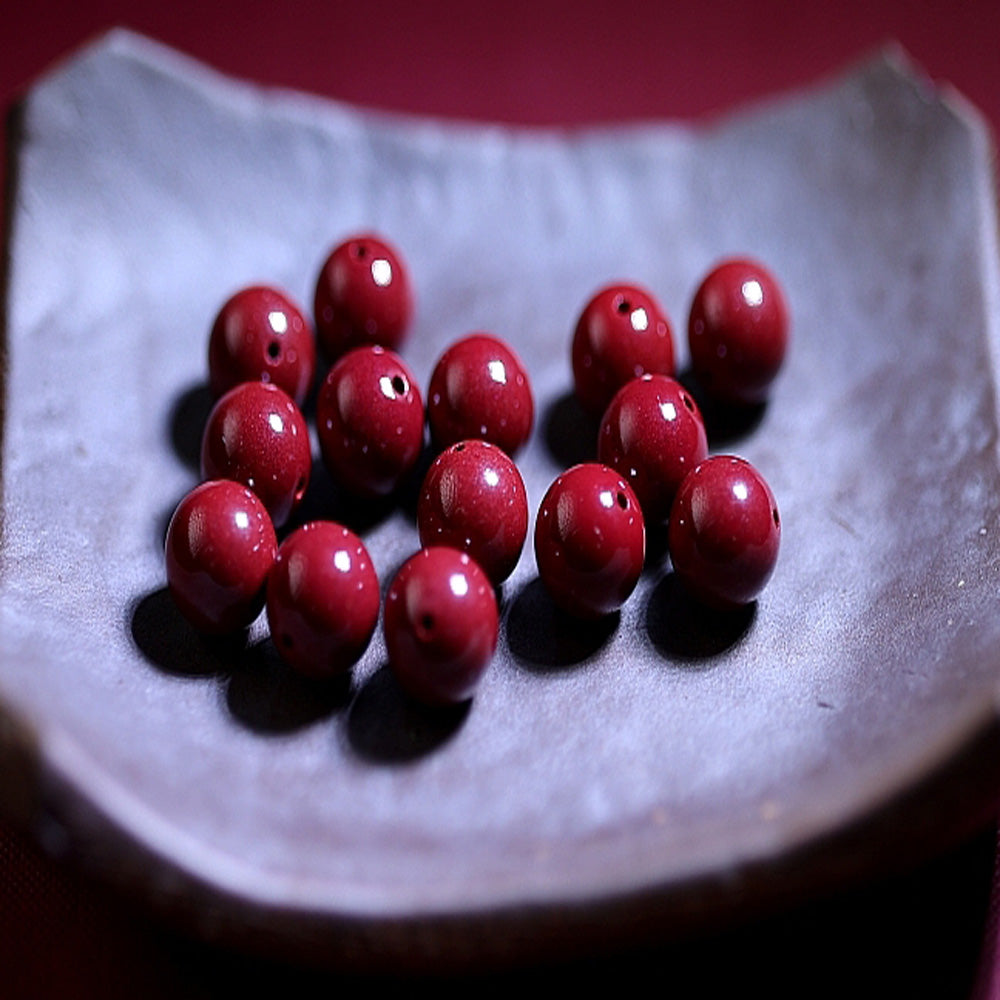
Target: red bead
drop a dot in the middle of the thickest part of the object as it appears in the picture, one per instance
(738, 331)
(473, 499)
(653, 434)
(724, 532)
(257, 436)
(441, 625)
(479, 389)
(260, 334)
(370, 421)
(621, 333)
(219, 551)
(363, 296)
(590, 540)
(322, 599)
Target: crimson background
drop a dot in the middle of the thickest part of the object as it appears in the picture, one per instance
(535, 62)
(917, 934)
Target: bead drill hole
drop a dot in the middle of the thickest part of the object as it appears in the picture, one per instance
(274, 350)
(777, 520)
(459, 447)
(622, 500)
(624, 306)
(688, 402)
(360, 251)
(399, 385)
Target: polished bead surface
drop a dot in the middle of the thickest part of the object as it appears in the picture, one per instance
(590, 540)
(370, 421)
(480, 389)
(257, 436)
(363, 296)
(738, 331)
(260, 334)
(653, 434)
(441, 625)
(473, 499)
(322, 599)
(220, 548)
(724, 532)
(622, 332)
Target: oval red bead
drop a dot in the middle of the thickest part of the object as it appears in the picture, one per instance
(622, 333)
(260, 334)
(480, 389)
(441, 625)
(724, 532)
(590, 540)
(322, 599)
(370, 421)
(220, 548)
(473, 499)
(363, 296)
(257, 436)
(738, 331)
(653, 434)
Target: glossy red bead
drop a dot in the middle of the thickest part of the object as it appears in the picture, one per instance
(473, 499)
(363, 296)
(257, 436)
(653, 434)
(590, 540)
(260, 334)
(480, 389)
(621, 333)
(738, 331)
(724, 532)
(441, 625)
(370, 421)
(219, 550)
(322, 599)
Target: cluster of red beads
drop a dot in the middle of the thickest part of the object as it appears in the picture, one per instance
(653, 463)
(319, 586)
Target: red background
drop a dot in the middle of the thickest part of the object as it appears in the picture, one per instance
(533, 63)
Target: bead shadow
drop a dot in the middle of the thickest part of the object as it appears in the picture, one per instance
(308, 406)
(407, 497)
(269, 698)
(726, 424)
(569, 431)
(386, 726)
(324, 501)
(168, 642)
(657, 549)
(682, 628)
(188, 417)
(543, 638)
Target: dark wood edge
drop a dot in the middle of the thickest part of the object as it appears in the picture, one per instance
(956, 800)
